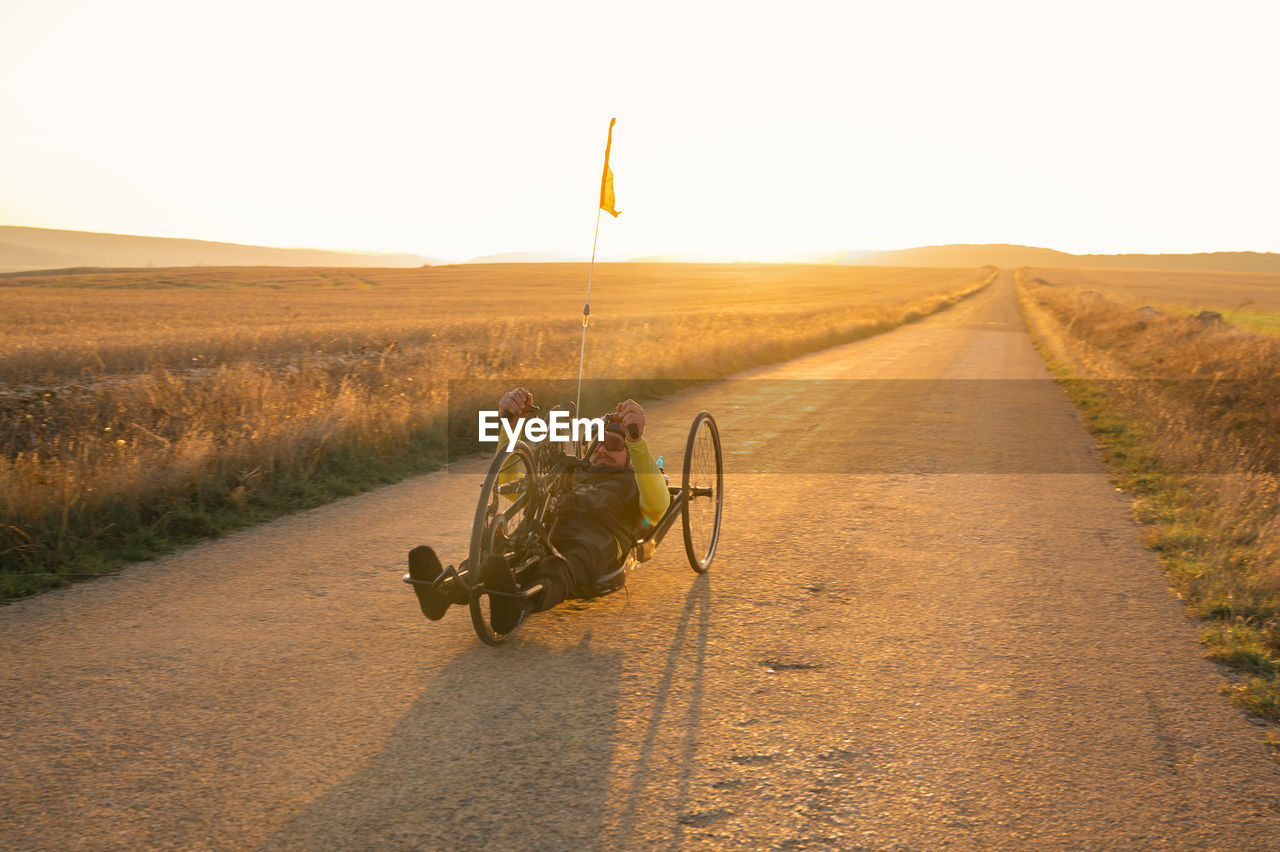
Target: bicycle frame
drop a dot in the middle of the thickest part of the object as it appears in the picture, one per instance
(641, 549)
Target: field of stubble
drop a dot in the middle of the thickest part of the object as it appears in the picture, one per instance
(143, 408)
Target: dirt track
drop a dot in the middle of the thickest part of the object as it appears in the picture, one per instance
(931, 625)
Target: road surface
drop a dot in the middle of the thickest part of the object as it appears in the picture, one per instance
(931, 625)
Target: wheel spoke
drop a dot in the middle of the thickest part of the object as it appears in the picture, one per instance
(516, 507)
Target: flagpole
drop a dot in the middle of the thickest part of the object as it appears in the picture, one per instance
(606, 203)
(586, 312)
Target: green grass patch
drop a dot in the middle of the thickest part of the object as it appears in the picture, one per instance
(1259, 695)
(1241, 645)
(1267, 323)
(1260, 321)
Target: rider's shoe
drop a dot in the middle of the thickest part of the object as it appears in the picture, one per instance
(507, 612)
(425, 565)
(556, 579)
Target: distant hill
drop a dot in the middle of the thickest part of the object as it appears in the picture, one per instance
(1011, 255)
(825, 258)
(529, 257)
(29, 249)
(24, 249)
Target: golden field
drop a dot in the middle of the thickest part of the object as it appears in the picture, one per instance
(1249, 299)
(1188, 411)
(139, 407)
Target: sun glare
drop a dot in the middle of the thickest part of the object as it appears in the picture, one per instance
(456, 131)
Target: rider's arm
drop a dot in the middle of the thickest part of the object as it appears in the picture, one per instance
(654, 497)
(510, 471)
(514, 403)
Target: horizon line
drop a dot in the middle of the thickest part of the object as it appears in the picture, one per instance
(780, 256)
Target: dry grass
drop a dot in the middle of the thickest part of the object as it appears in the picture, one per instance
(1251, 299)
(141, 405)
(1189, 411)
(60, 326)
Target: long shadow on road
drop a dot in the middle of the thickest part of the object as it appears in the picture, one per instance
(513, 748)
(674, 781)
(506, 749)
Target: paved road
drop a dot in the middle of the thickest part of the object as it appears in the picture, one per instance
(931, 625)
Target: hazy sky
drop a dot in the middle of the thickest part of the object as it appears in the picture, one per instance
(744, 129)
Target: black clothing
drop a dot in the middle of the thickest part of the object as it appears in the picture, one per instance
(597, 523)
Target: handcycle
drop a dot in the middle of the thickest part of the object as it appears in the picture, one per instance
(516, 517)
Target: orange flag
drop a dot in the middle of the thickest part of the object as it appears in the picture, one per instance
(606, 180)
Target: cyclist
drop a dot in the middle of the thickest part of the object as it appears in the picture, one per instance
(621, 493)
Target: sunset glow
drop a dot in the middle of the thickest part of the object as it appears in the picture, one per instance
(454, 131)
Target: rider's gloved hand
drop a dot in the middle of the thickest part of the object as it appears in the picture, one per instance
(630, 414)
(515, 403)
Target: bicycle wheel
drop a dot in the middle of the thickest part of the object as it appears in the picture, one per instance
(703, 488)
(508, 499)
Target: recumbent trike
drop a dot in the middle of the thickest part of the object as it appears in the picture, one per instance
(516, 516)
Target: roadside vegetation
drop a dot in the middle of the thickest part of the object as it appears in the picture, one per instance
(1248, 299)
(1187, 410)
(1267, 323)
(140, 409)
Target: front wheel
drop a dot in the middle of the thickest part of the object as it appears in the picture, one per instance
(703, 491)
(508, 501)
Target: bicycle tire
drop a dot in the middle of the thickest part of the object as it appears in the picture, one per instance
(703, 492)
(493, 519)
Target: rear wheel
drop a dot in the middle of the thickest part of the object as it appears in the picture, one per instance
(703, 487)
(508, 501)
